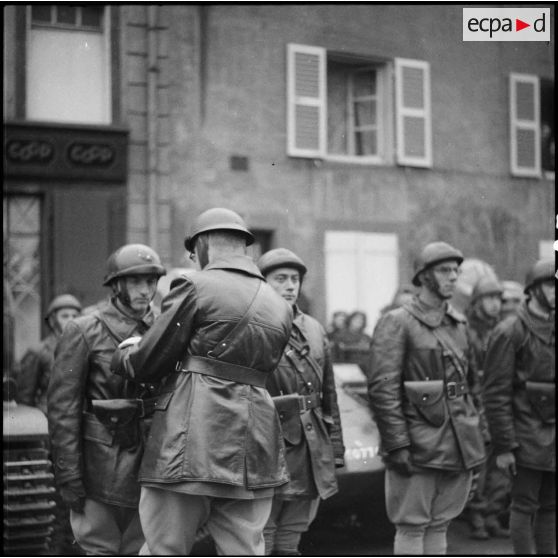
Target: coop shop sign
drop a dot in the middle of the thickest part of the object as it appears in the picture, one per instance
(65, 152)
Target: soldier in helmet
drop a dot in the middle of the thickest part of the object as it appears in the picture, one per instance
(36, 364)
(94, 416)
(520, 389)
(303, 389)
(490, 500)
(215, 451)
(421, 386)
(33, 379)
(512, 297)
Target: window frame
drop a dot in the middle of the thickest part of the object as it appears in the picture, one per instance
(524, 124)
(53, 24)
(110, 22)
(391, 113)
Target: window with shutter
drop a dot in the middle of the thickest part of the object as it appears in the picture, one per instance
(413, 114)
(340, 107)
(306, 101)
(525, 125)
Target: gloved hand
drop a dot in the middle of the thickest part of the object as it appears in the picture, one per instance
(129, 342)
(506, 462)
(73, 494)
(400, 460)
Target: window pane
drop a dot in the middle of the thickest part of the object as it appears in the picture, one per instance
(91, 16)
(525, 101)
(366, 143)
(547, 124)
(40, 13)
(22, 267)
(66, 14)
(365, 113)
(337, 111)
(364, 83)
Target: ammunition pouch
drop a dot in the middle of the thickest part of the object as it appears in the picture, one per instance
(428, 399)
(120, 417)
(289, 407)
(542, 396)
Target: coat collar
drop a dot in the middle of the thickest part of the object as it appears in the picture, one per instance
(122, 324)
(539, 327)
(431, 316)
(235, 262)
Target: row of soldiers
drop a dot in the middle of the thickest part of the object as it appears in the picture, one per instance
(224, 406)
(456, 402)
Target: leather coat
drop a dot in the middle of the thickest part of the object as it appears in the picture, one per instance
(83, 447)
(34, 373)
(313, 437)
(520, 389)
(206, 428)
(411, 387)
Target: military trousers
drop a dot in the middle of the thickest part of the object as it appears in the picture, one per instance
(107, 530)
(422, 505)
(286, 523)
(171, 521)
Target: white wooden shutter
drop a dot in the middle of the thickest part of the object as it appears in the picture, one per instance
(306, 101)
(413, 113)
(525, 125)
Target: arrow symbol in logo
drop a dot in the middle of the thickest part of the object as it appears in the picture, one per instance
(519, 25)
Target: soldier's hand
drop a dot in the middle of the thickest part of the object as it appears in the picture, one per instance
(73, 495)
(506, 462)
(129, 342)
(400, 460)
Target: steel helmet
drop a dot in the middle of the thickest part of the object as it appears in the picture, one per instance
(486, 286)
(542, 270)
(63, 301)
(133, 259)
(215, 219)
(280, 257)
(432, 254)
(512, 290)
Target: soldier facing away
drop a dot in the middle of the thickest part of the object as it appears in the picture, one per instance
(303, 390)
(94, 416)
(520, 388)
(215, 452)
(421, 385)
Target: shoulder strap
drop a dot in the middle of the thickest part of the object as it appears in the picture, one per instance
(302, 352)
(229, 338)
(448, 346)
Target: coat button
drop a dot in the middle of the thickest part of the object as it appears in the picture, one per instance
(308, 427)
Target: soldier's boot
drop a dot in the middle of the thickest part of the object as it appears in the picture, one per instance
(478, 529)
(494, 528)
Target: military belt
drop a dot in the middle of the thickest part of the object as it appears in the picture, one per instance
(456, 389)
(224, 370)
(304, 402)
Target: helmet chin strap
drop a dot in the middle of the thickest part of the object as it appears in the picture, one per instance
(538, 293)
(428, 279)
(121, 293)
